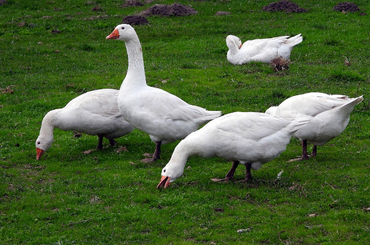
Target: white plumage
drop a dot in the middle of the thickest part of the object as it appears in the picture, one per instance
(249, 138)
(330, 116)
(165, 117)
(94, 113)
(262, 50)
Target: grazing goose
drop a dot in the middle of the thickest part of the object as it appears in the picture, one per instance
(165, 117)
(330, 116)
(94, 113)
(249, 138)
(262, 50)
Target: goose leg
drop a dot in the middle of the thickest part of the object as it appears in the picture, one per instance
(230, 174)
(100, 142)
(156, 154)
(112, 142)
(304, 152)
(248, 175)
(314, 151)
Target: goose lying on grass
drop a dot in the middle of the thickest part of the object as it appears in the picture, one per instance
(249, 138)
(330, 116)
(165, 117)
(262, 50)
(94, 113)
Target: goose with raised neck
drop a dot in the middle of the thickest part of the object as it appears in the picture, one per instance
(164, 116)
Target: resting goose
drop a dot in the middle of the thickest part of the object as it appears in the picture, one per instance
(165, 117)
(94, 113)
(262, 50)
(249, 138)
(330, 116)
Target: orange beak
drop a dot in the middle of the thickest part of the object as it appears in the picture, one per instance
(113, 35)
(240, 46)
(39, 153)
(165, 182)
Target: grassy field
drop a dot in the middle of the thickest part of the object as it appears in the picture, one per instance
(53, 51)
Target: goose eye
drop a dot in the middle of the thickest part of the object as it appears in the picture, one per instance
(122, 28)
(38, 142)
(164, 170)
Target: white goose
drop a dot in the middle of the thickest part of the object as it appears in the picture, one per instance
(330, 116)
(94, 113)
(262, 50)
(165, 117)
(249, 138)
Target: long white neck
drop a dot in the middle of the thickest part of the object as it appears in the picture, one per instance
(48, 123)
(235, 56)
(178, 159)
(234, 49)
(136, 73)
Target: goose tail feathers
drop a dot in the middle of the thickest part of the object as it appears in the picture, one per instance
(294, 40)
(212, 115)
(348, 108)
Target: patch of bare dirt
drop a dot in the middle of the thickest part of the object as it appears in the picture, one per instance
(134, 3)
(175, 9)
(222, 13)
(121, 148)
(284, 6)
(7, 90)
(135, 20)
(97, 9)
(97, 17)
(76, 134)
(279, 64)
(346, 7)
(55, 31)
(87, 152)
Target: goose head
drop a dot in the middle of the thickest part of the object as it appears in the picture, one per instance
(233, 41)
(170, 173)
(42, 145)
(123, 32)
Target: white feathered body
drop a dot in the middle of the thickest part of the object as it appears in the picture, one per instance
(162, 115)
(240, 136)
(261, 50)
(244, 136)
(95, 112)
(330, 114)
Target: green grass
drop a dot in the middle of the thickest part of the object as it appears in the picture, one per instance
(111, 198)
